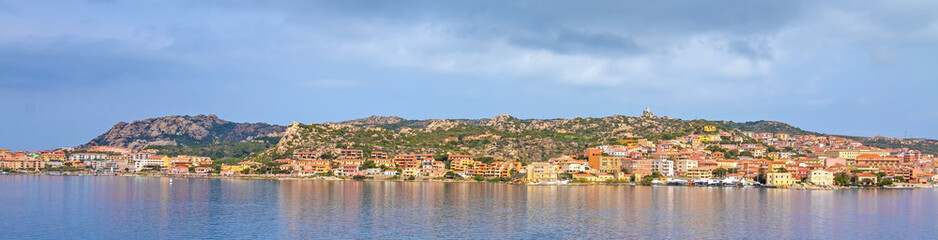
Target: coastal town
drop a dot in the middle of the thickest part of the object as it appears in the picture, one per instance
(726, 157)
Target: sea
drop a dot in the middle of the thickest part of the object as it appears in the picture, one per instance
(125, 207)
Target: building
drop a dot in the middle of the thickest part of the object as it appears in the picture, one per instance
(700, 172)
(877, 161)
(665, 167)
(179, 170)
(779, 179)
(605, 163)
(573, 166)
(866, 178)
(585, 177)
(852, 154)
(87, 156)
(350, 153)
(542, 172)
(306, 155)
(379, 155)
(109, 149)
(150, 162)
(821, 177)
(22, 163)
(681, 166)
(203, 170)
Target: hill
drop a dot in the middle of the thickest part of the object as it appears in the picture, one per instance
(502, 137)
(182, 131)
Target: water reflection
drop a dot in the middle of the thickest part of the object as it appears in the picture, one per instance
(139, 207)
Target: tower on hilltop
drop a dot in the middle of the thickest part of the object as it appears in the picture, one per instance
(648, 113)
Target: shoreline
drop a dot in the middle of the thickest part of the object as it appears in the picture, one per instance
(333, 178)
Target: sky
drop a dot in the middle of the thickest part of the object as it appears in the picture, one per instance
(70, 70)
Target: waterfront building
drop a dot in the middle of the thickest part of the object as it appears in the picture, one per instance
(821, 177)
(867, 178)
(604, 163)
(681, 166)
(700, 172)
(585, 177)
(541, 172)
(573, 166)
(779, 179)
(665, 167)
(22, 163)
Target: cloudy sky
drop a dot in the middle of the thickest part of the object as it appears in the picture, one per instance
(69, 70)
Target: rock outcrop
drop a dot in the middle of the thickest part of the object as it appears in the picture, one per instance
(182, 130)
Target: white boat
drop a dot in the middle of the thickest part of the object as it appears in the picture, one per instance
(558, 182)
(713, 182)
(677, 182)
(730, 181)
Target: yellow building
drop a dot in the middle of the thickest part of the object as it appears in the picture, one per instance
(726, 164)
(700, 172)
(779, 179)
(410, 172)
(236, 168)
(604, 177)
(585, 177)
(851, 154)
(166, 161)
(710, 128)
(542, 172)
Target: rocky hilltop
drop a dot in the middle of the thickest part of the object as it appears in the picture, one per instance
(182, 131)
(501, 137)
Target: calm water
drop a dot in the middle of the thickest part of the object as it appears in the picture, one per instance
(147, 208)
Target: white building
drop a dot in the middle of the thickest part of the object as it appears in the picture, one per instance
(665, 167)
(87, 156)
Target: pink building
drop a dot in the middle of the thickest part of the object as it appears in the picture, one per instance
(830, 162)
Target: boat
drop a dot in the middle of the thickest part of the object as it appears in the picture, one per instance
(713, 182)
(677, 182)
(900, 186)
(730, 181)
(558, 182)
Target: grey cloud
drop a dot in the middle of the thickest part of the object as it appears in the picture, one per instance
(574, 42)
(757, 49)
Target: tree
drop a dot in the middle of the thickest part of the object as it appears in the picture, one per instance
(885, 182)
(899, 179)
(841, 179)
(367, 164)
(655, 174)
(761, 177)
(624, 170)
(358, 177)
(478, 178)
(719, 172)
(411, 178)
